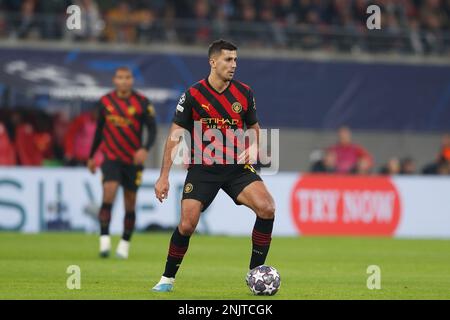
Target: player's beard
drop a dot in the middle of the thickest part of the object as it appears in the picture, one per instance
(225, 76)
(124, 92)
(229, 76)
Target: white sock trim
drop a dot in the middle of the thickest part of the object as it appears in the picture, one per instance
(123, 248)
(165, 280)
(105, 243)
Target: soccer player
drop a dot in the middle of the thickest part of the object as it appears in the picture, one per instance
(123, 113)
(220, 103)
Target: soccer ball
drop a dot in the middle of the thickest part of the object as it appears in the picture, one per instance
(263, 280)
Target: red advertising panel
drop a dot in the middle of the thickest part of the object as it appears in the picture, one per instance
(345, 205)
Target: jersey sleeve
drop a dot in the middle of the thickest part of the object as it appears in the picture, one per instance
(99, 129)
(149, 120)
(183, 112)
(250, 116)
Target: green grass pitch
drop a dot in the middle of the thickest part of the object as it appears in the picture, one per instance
(34, 267)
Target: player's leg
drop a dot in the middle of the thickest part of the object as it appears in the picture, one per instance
(129, 222)
(200, 188)
(257, 197)
(131, 180)
(111, 181)
(179, 242)
(246, 187)
(104, 216)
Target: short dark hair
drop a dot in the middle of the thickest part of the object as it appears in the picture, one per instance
(219, 45)
(122, 68)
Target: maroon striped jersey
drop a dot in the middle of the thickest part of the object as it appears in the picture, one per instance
(202, 106)
(120, 126)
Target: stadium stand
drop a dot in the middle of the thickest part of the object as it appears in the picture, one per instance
(359, 92)
(410, 26)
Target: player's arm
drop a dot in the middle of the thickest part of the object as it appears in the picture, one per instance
(97, 139)
(172, 141)
(182, 120)
(149, 122)
(250, 155)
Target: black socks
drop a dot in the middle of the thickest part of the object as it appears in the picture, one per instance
(261, 238)
(128, 225)
(104, 218)
(177, 249)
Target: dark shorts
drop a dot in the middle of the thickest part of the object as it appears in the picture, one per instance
(204, 182)
(128, 175)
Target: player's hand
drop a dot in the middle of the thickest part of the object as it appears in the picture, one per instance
(140, 156)
(162, 189)
(91, 166)
(249, 155)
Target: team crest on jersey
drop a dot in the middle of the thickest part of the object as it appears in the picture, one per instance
(236, 107)
(131, 110)
(188, 188)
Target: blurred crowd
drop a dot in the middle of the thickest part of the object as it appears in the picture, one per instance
(32, 137)
(419, 26)
(348, 157)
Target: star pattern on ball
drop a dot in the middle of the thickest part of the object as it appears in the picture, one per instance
(270, 288)
(259, 276)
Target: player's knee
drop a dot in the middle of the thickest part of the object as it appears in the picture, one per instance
(108, 197)
(186, 227)
(109, 192)
(265, 209)
(130, 202)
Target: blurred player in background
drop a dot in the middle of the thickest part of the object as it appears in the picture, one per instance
(123, 113)
(220, 103)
